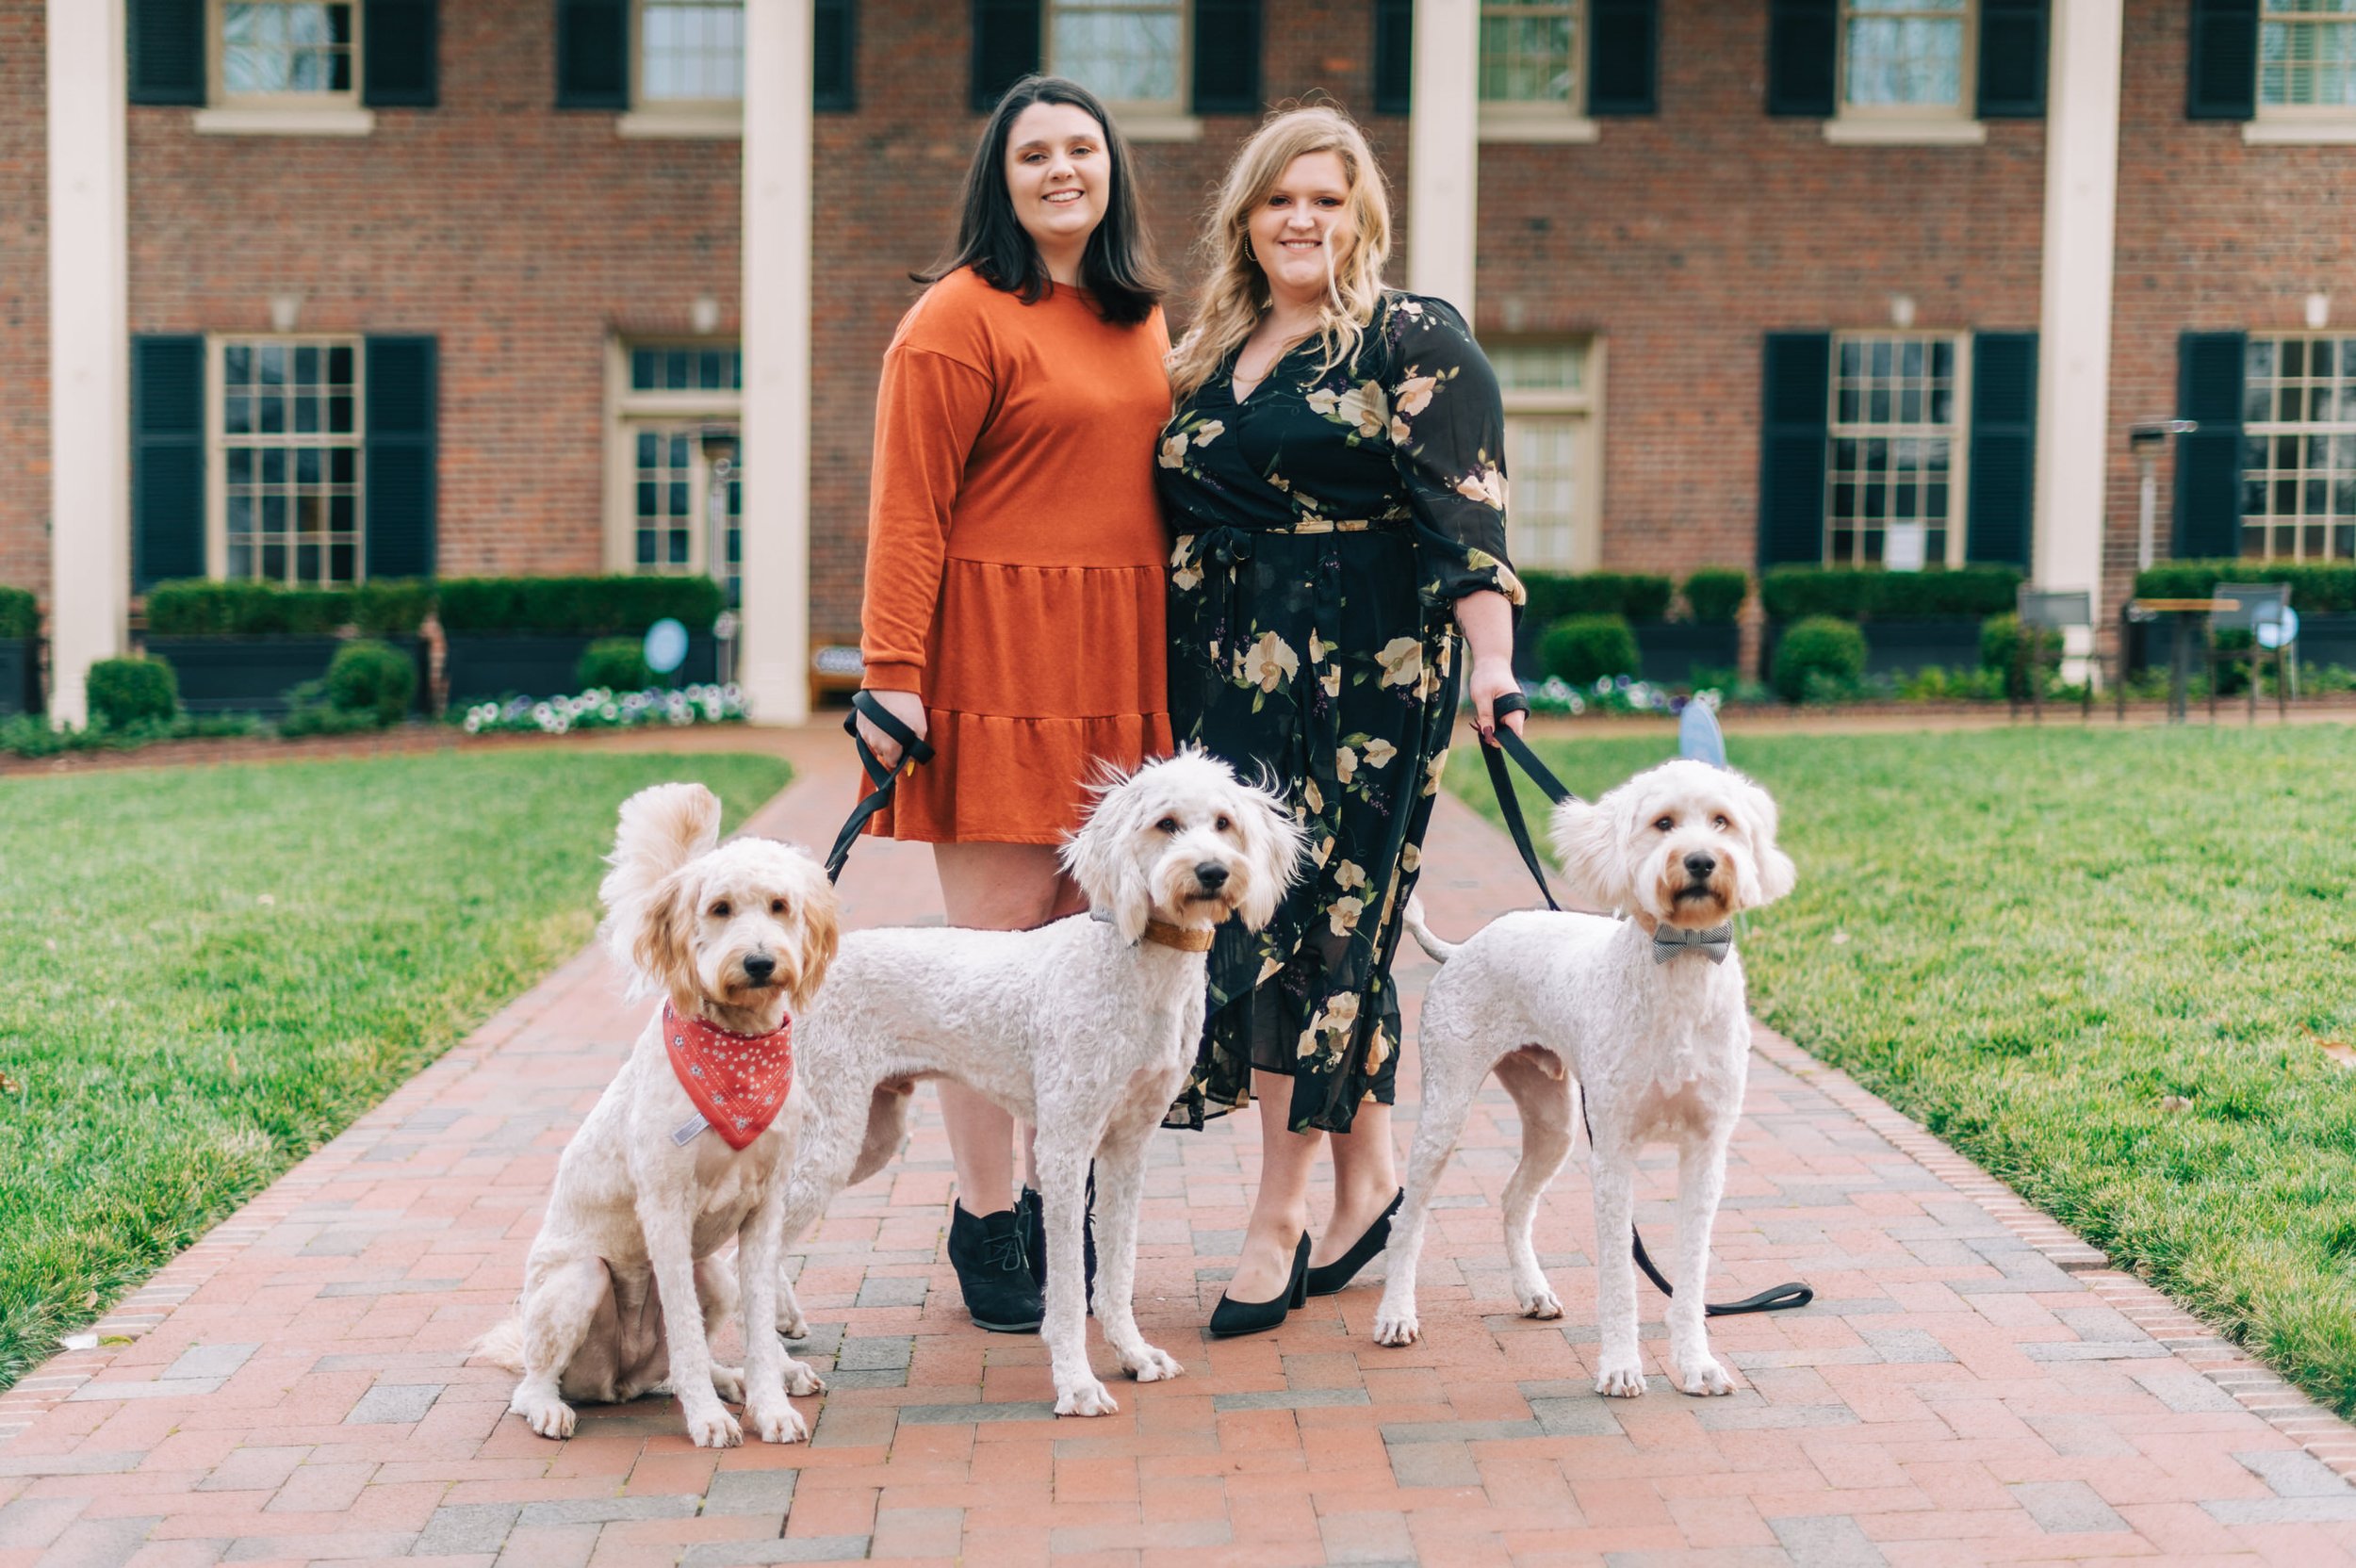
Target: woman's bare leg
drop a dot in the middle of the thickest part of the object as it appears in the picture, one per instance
(1366, 1179)
(1279, 1210)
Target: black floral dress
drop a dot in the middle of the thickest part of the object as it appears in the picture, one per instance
(1326, 527)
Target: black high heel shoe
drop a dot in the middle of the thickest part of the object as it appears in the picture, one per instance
(1327, 1277)
(1232, 1316)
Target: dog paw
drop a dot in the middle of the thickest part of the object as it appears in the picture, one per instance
(1625, 1381)
(793, 1325)
(713, 1427)
(728, 1383)
(1542, 1303)
(550, 1417)
(802, 1379)
(1089, 1398)
(1397, 1327)
(1704, 1377)
(772, 1420)
(1151, 1365)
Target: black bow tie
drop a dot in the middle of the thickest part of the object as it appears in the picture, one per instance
(1713, 943)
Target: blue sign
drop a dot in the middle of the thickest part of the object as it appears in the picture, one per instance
(666, 645)
(2278, 631)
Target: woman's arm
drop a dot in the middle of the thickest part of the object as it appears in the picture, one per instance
(1486, 618)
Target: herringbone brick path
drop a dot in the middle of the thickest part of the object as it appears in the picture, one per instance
(1970, 1386)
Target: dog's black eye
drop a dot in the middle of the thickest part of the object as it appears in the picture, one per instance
(1721, 824)
(722, 909)
(1224, 824)
(1168, 825)
(1666, 824)
(777, 906)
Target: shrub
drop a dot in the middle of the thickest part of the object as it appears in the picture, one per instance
(197, 607)
(616, 663)
(20, 614)
(1823, 647)
(124, 692)
(395, 607)
(2000, 653)
(1715, 594)
(369, 678)
(1585, 649)
(310, 711)
(1797, 593)
(2316, 589)
(1554, 595)
(578, 606)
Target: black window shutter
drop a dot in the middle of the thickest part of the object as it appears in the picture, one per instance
(165, 40)
(835, 56)
(2222, 82)
(1803, 56)
(1226, 56)
(398, 47)
(402, 382)
(592, 54)
(1623, 56)
(1394, 56)
(1005, 47)
(2003, 473)
(167, 459)
(2012, 59)
(1797, 387)
(2208, 462)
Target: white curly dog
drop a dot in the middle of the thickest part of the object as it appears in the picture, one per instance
(625, 1284)
(1084, 1028)
(1644, 1016)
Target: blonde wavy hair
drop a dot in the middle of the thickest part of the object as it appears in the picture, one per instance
(1234, 292)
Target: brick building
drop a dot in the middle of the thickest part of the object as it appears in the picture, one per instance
(324, 288)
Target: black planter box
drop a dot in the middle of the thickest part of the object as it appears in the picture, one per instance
(2327, 639)
(252, 675)
(481, 666)
(1897, 648)
(1671, 651)
(2323, 639)
(19, 676)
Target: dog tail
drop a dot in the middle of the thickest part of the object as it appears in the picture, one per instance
(503, 1345)
(1441, 952)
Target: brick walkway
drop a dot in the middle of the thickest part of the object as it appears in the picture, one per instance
(1972, 1385)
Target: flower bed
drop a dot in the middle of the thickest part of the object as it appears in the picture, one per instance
(599, 709)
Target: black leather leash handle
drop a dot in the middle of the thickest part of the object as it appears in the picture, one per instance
(1509, 744)
(882, 780)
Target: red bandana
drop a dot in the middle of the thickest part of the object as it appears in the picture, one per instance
(739, 1082)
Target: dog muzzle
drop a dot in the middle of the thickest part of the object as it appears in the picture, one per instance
(738, 1081)
(1713, 943)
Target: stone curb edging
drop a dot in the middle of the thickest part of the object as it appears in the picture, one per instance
(2253, 1385)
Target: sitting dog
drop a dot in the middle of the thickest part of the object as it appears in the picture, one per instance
(625, 1283)
(1644, 1017)
(1084, 1028)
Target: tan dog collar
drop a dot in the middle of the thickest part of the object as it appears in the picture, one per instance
(1178, 936)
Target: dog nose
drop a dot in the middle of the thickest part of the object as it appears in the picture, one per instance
(1699, 864)
(759, 968)
(1211, 874)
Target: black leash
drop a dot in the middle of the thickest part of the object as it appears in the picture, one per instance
(1509, 803)
(883, 780)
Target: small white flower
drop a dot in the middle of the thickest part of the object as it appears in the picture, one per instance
(1269, 662)
(1432, 773)
(1401, 435)
(1344, 916)
(1174, 452)
(1315, 796)
(1379, 754)
(1211, 430)
(1319, 648)
(1410, 858)
(1332, 680)
(1486, 485)
(1414, 395)
(1402, 662)
(1345, 763)
(1348, 874)
(1269, 967)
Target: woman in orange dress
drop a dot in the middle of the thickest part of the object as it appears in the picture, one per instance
(1014, 608)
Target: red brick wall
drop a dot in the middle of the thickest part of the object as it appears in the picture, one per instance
(24, 301)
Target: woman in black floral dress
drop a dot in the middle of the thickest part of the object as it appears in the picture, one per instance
(1333, 476)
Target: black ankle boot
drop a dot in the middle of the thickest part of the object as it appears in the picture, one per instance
(1035, 1229)
(993, 1271)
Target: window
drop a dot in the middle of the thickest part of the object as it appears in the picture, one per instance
(1529, 53)
(1552, 453)
(1905, 59)
(2299, 448)
(1129, 53)
(691, 53)
(678, 410)
(301, 51)
(2307, 57)
(1893, 474)
(287, 469)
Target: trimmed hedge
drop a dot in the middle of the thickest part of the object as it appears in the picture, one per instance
(1967, 593)
(578, 606)
(1582, 648)
(199, 607)
(2321, 590)
(1818, 645)
(616, 663)
(1715, 595)
(1555, 596)
(123, 692)
(20, 614)
(371, 677)
(2000, 650)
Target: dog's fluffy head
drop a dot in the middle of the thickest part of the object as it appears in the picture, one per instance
(1685, 843)
(747, 926)
(1185, 840)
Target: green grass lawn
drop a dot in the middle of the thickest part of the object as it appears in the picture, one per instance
(204, 973)
(2116, 968)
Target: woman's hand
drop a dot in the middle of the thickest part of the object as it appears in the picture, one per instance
(909, 708)
(1487, 622)
(1491, 679)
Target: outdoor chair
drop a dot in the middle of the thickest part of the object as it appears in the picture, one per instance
(2042, 612)
(2255, 604)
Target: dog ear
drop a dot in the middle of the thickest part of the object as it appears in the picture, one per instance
(1272, 843)
(1587, 840)
(821, 936)
(1101, 857)
(662, 827)
(1776, 874)
(659, 943)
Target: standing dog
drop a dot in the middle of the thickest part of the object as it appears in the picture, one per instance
(1084, 1028)
(1645, 1016)
(625, 1283)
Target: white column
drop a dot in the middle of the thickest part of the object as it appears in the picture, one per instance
(1443, 151)
(772, 667)
(2074, 429)
(89, 349)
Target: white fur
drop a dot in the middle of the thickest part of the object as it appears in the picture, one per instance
(1079, 1028)
(625, 1284)
(1562, 1004)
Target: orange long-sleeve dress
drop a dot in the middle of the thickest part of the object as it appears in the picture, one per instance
(1016, 556)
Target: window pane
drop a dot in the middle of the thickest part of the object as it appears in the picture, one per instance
(1526, 51)
(1905, 59)
(690, 51)
(1125, 50)
(286, 46)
